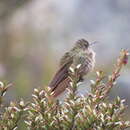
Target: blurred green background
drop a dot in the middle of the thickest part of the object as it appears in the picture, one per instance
(34, 34)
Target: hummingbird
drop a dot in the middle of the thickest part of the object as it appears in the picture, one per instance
(81, 54)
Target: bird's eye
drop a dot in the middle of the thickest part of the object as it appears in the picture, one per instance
(86, 45)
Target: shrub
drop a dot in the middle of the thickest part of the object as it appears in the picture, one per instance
(92, 111)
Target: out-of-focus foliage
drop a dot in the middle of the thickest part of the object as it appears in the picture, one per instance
(91, 112)
(8, 7)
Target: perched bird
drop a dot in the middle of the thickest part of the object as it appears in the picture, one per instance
(82, 54)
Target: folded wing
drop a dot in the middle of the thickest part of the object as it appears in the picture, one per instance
(60, 80)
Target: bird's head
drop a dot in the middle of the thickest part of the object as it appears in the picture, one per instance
(84, 45)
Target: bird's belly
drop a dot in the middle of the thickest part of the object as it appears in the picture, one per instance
(85, 68)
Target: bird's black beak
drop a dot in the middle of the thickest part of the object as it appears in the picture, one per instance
(95, 42)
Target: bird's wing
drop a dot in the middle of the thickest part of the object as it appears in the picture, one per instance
(61, 74)
(65, 59)
(61, 87)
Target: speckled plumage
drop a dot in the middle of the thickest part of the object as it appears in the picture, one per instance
(82, 54)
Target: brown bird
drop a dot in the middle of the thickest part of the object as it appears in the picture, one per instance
(82, 54)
